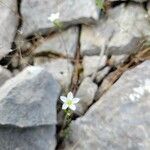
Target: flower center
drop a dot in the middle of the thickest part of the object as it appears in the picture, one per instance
(69, 102)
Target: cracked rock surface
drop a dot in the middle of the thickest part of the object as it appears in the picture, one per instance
(99, 50)
(36, 12)
(8, 25)
(119, 120)
(121, 32)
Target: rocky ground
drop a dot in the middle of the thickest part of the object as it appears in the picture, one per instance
(102, 55)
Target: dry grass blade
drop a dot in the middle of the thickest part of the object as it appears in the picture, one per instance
(134, 61)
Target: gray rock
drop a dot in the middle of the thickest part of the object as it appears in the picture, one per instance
(29, 99)
(38, 138)
(94, 37)
(148, 8)
(15, 72)
(8, 25)
(105, 85)
(4, 75)
(117, 60)
(92, 64)
(64, 43)
(61, 70)
(121, 32)
(35, 14)
(140, 1)
(120, 120)
(102, 73)
(86, 93)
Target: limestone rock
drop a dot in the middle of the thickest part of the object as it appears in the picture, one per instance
(29, 99)
(139, 1)
(148, 8)
(117, 60)
(61, 70)
(92, 64)
(4, 75)
(86, 93)
(64, 43)
(102, 73)
(8, 25)
(35, 14)
(121, 32)
(38, 138)
(105, 85)
(120, 119)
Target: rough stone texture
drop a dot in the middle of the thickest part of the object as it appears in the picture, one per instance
(35, 13)
(38, 138)
(105, 85)
(86, 93)
(4, 75)
(29, 99)
(92, 63)
(61, 70)
(64, 43)
(15, 72)
(116, 121)
(102, 73)
(140, 1)
(8, 25)
(121, 32)
(116, 60)
(148, 8)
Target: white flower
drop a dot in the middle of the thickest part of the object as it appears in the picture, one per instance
(53, 17)
(147, 85)
(69, 101)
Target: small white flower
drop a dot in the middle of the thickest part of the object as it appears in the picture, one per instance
(69, 101)
(147, 85)
(53, 17)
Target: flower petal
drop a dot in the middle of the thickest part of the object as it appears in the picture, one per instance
(63, 98)
(54, 17)
(76, 100)
(64, 106)
(57, 15)
(70, 95)
(72, 107)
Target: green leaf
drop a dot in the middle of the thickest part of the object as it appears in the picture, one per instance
(100, 4)
(58, 24)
